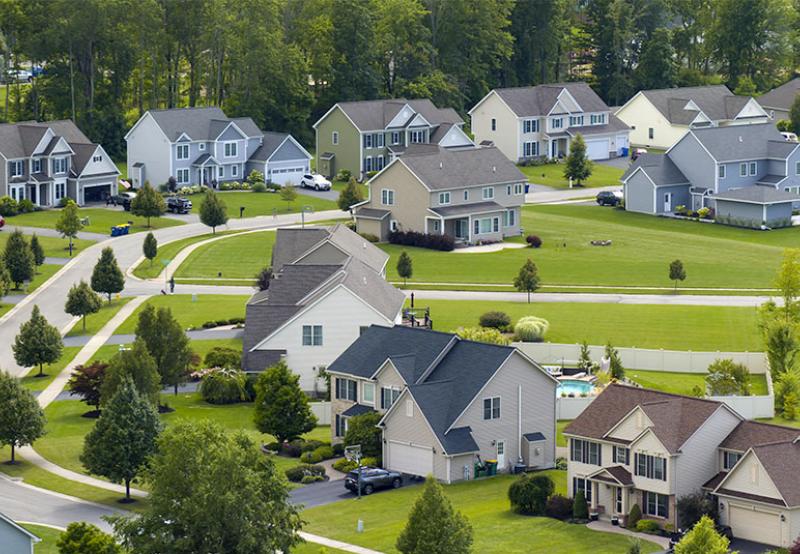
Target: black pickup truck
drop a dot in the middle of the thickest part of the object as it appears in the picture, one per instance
(178, 205)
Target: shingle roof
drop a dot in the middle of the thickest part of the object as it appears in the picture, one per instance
(782, 463)
(199, 123)
(18, 140)
(714, 482)
(270, 143)
(781, 97)
(83, 153)
(717, 102)
(372, 213)
(622, 475)
(359, 247)
(758, 194)
(440, 168)
(752, 433)
(739, 142)
(463, 209)
(357, 409)
(373, 115)
(539, 100)
(291, 243)
(614, 124)
(659, 167)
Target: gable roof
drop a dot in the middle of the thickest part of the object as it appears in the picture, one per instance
(270, 143)
(540, 99)
(752, 433)
(675, 418)
(292, 243)
(781, 461)
(19, 528)
(659, 168)
(373, 115)
(717, 102)
(739, 142)
(199, 123)
(442, 168)
(781, 97)
(18, 140)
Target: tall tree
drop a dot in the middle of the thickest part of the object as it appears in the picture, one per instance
(37, 251)
(405, 266)
(351, 194)
(107, 278)
(403, 43)
(86, 381)
(18, 259)
(527, 280)
(148, 203)
(578, 166)
(787, 281)
(610, 30)
(213, 211)
(282, 409)
(22, 421)
(85, 538)
(167, 343)
(69, 223)
(37, 343)
(150, 247)
(136, 363)
(541, 41)
(82, 301)
(355, 69)
(656, 67)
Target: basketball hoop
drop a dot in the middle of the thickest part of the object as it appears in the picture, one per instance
(353, 453)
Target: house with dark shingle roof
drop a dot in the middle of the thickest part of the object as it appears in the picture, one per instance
(540, 122)
(749, 175)
(446, 402)
(779, 100)
(203, 146)
(45, 162)
(659, 118)
(472, 194)
(365, 136)
(329, 285)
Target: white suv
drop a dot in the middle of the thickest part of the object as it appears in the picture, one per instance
(315, 181)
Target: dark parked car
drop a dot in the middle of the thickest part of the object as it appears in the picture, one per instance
(373, 479)
(178, 205)
(609, 198)
(119, 200)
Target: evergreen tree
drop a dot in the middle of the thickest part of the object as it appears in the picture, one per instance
(213, 212)
(263, 278)
(676, 272)
(86, 381)
(703, 539)
(107, 278)
(123, 438)
(580, 510)
(527, 280)
(787, 282)
(69, 223)
(37, 343)
(794, 114)
(782, 347)
(18, 259)
(167, 343)
(5, 281)
(656, 68)
(351, 194)
(282, 408)
(433, 526)
(148, 203)
(150, 247)
(82, 301)
(85, 538)
(578, 167)
(22, 421)
(615, 362)
(288, 195)
(37, 251)
(136, 363)
(405, 267)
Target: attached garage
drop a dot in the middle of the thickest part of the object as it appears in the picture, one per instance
(281, 158)
(755, 524)
(96, 192)
(598, 149)
(409, 458)
(287, 172)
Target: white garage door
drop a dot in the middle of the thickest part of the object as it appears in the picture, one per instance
(755, 525)
(411, 459)
(597, 149)
(290, 172)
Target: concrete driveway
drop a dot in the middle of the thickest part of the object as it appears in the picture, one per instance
(328, 492)
(621, 162)
(749, 547)
(326, 194)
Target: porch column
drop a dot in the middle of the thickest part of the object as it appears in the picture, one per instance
(595, 492)
(469, 229)
(441, 232)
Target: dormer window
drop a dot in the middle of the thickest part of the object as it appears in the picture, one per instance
(183, 152)
(37, 165)
(730, 459)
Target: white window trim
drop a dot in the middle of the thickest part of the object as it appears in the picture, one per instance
(444, 198)
(487, 193)
(409, 408)
(742, 170)
(180, 172)
(393, 225)
(722, 171)
(491, 400)
(235, 146)
(182, 148)
(202, 146)
(234, 171)
(335, 138)
(387, 197)
(364, 386)
(313, 335)
(221, 171)
(752, 168)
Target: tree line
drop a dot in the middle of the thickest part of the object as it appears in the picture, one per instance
(285, 62)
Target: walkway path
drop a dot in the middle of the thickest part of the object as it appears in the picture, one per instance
(47, 232)
(202, 334)
(606, 527)
(330, 543)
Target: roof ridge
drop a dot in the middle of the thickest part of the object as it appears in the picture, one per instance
(670, 394)
(755, 422)
(777, 442)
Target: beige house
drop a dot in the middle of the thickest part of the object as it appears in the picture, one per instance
(474, 195)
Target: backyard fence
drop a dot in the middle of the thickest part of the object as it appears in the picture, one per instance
(323, 412)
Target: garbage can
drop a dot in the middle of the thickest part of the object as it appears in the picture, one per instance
(491, 467)
(479, 470)
(519, 468)
(527, 188)
(115, 231)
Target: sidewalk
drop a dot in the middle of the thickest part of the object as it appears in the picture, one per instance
(606, 527)
(330, 543)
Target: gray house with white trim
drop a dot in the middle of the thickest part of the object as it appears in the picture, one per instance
(748, 174)
(15, 539)
(203, 146)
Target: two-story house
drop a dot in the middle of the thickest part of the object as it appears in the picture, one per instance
(446, 402)
(659, 118)
(366, 136)
(540, 122)
(329, 285)
(15, 538)
(203, 146)
(45, 162)
(748, 174)
(473, 194)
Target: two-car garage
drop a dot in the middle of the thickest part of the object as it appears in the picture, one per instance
(756, 524)
(598, 149)
(409, 458)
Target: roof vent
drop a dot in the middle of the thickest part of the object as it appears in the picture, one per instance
(741, 139)
(364, 245)
(364, 280)
(494, 169)
(441, 165)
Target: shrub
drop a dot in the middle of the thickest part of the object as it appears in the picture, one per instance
(482, 334)
(8, 206)
(223, 357)
(558, 507)
(344, 175)
(497, 320)
(63, 201)
(531, 329)
(338, 449)
(726, 377)
(344, 465)
(363, 430)
(325, 452)
(694, 506)
(647, 526)
(310, 457)
(444, 243)
(529, 494)
(634, 516)
(273, 446)
(580, 510)
(307, 479)
(292, 449)
(259, 187)
(370, 237)
(310, 445)
(224, 386)
(534, 241)
(26, 206)
(296, 474)
(561, 463)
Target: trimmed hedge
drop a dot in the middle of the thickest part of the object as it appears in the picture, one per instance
(558, 507)
(497, 320)
(297, 473)
(445, 243)
(647, 526)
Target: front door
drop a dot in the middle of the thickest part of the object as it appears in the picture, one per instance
(618, 500)
(667, 201)
(501, 454)
(461, 228)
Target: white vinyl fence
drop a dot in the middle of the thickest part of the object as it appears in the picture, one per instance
(323, 412)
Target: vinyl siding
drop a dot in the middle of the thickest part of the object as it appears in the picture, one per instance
(641, 116)
(777, 213)
(457, 464)
(507, 135)
(695, 163)
(415, 430)
(348, 150)
(632, 426)
(747, 214)
(650, 445)
(288, 151)
(411, 199)
(639, 194)
(680, 197)
(148, 145)
(389, 377)
(14, 541)
(741, 480)
(733, 180)
(374, 227)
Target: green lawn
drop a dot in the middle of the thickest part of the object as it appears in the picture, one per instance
(53, 247)
(149, 270)
(191, 314)
(643, 247)
(100, 220)
(560, 424)
(641, 325)
(483, 502)
(236, 257)
(683, 383)
(200, 347)
(49, 538)
(552, 175)
(265, 203)
(122, 165)
(34, 383)
(95, 322)
(43, 273)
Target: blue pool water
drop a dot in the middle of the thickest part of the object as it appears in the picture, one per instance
(574, 387)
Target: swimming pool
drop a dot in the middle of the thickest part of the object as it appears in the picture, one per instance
(574, 387)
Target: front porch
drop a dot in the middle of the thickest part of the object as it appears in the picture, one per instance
(39, 189)
(205, 171)
(612, 494)
(469, 224)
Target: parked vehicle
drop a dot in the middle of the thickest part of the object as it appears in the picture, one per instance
(636, 152)
(129, 194)
(315, 181)
(119, 200)
(179, 205)
(20, 75)
(372, 479)
(609, 197)
(788, 136)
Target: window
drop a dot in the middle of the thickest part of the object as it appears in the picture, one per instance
(530, 126)
(367, 141)
(37, 166)
(729, 459)
(183, 176)
(622, 455)
(599, 119)
(368, 393)
(508, 190)
(444, 198)
(312, 335)
(231, 149)
(650, 133)
(486, 225)
(417, 137)
(395, 137)
(556, 123)
(409, 408)
(377, 163)
(743, 170)
(346, 389)
(721, 172)
(495, 224)
(221, 171)
(585, 452)
(393, 225)
(575, 120)
(60, 191)
(183, 152)
(202, 146)
(368, 164)
(341, 426)
(509, 218)
(488, 193)
(518, 188)
(583, 485)
(530, 149)
(437, 225)
(18, 193)
(494, 124)
(618, 500)
(378, 140)
(753, 168)
(491, 408)
(387, 197)
(656, 504)
(389, 396)
(335, 138)
(60, 165)
(97, 158)
(652, 467)
(234, 170)
(797, 168)
(466, 194)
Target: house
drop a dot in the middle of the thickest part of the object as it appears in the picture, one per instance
(527, 123)
(45, 162)
(778, 102)
(748, 174)
(366, 136)
(473, 194)
(14, 538)
(203, 146)
(659, 118)
(329, 285)
(446, 402)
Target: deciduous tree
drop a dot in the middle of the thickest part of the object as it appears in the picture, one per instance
(18, 259)
(782, 346)
(37, 343)
(213, 212)
(86, 381)
(107, 278)
(676, 272)
(703, 539)
(82, 301)
(578, 167)
(167, 343)
(363, 430)
(726, 377)
(282, 409)
(405, 266)
(787, 282)
(288, 194)
(434, 526)
(351, 194)
(527, 280)
(148, 203)
(69, 223)
(85, 538)
(22, 421)
(136, 363)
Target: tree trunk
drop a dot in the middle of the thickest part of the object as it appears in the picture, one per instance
(84, 322)
(127, 489)
(13, 460)
(41, 369)
(176, 389)
(529, 297)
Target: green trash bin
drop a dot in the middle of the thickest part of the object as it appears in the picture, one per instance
(491, 467)
(479, 470)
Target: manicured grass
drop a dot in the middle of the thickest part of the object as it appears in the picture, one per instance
(100, 220)
(560, 424)
(191, 314)
(122, 165)
(200, 347)
(34, 383)
(552, 175)
(779, 420)
(236, 257)
(311, 548)
(265, 203)
(483, 502)
(149, 270)
(49, 538)
(641, 325)
(642, 248)
(43, 273)
(53, 247)
(684, 383)
(95, 322)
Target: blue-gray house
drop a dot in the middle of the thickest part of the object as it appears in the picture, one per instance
(203, 146)
(15, 539)
(749, 175)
